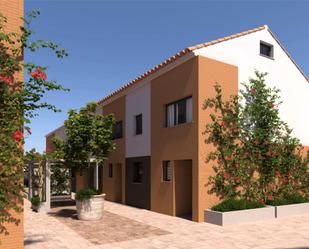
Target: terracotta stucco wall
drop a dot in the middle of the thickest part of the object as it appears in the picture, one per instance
(173, 143)
(13, 10)
(209, 73)
(111, 185)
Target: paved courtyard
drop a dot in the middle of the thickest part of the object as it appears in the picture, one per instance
(127, 227)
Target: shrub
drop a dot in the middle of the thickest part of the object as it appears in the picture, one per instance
(236, 204)
(35, 200)
(86, 193)
(287, 199)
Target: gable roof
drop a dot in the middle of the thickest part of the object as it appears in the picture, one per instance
(190, 50)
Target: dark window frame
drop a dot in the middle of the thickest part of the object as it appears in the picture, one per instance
(137, 168)
(117, 135)
(166, 171)
(110, 170)
(139, 124)
(175, 112)
(270, 47)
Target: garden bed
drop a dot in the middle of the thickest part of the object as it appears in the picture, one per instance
(239, 216)
(291, 209)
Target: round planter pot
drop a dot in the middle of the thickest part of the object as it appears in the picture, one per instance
(90, 209)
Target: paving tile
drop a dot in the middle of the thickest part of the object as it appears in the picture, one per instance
(125, 227)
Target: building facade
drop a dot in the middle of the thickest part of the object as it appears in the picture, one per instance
(13, 10)
(159, 161)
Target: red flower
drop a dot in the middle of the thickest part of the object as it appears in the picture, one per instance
(272, 105)
(222, 123)
(278, 174)
(236, 130)
(268, 153)
(259, 155)
(228, 158)
(17, 135)
(270, 198)
(237, 179)
(256, 141)
(29, 131)
(226, 175)
(7, 79)
(38, 74)
(236, 165)
(253, 91)
(275, 153)
(261, 201)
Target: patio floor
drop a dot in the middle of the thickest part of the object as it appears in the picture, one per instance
(127, 227)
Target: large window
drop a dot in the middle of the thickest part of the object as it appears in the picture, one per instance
(138, 124)
(179, 112)
(266, 50)
(117, 130)
(137, 172)
(166, 171)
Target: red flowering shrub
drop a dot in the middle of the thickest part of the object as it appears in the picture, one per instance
(260, 160)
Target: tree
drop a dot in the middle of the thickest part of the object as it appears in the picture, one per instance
(19, 101)
(256, 156)
(88, 137)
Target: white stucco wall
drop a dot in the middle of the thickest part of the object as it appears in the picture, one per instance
(283, 74)
(137, 102)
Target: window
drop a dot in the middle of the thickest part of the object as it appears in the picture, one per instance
(138, 124)
(179, 112)
(110, 170)
(117, 130)
(266, 49)
(166, 171)
(137, 172)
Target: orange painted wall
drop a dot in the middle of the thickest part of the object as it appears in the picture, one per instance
(195, 78)
(13, 10)
(172, 143)
(111, 185)
(209, 73)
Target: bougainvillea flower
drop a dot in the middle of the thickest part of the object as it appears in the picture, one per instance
(237, 179)
(256, 142)
(38, 74)
(253, 91)
(236, 130)
(275, 153)
(17, 135)
(228, 158)
(7, 79)
(268, 153)
(236, 165)
(278, 174)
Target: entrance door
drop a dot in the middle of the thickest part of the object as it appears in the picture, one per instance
(183, 188)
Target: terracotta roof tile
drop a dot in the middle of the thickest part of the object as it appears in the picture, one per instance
(189, 50)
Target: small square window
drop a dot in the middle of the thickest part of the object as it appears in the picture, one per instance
(166, 171)
(137, 172)
(110, 170)
(266, 49)
(139, 124)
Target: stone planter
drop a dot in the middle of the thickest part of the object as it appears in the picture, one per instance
(241, 216)
(41, 208)
(36, 208)
(90, 209)
(292, 209)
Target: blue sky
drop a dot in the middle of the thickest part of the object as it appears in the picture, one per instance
(111, 42)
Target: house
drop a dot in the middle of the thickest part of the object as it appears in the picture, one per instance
(159, 161)
(13, 10)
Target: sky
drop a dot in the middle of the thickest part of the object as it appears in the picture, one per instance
(112, 42)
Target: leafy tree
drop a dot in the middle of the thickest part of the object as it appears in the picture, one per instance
(19, 101)
(88, 136)
(256, 157)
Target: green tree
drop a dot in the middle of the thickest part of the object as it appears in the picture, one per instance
(19, 101)
(256, 157)
(88, 137)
